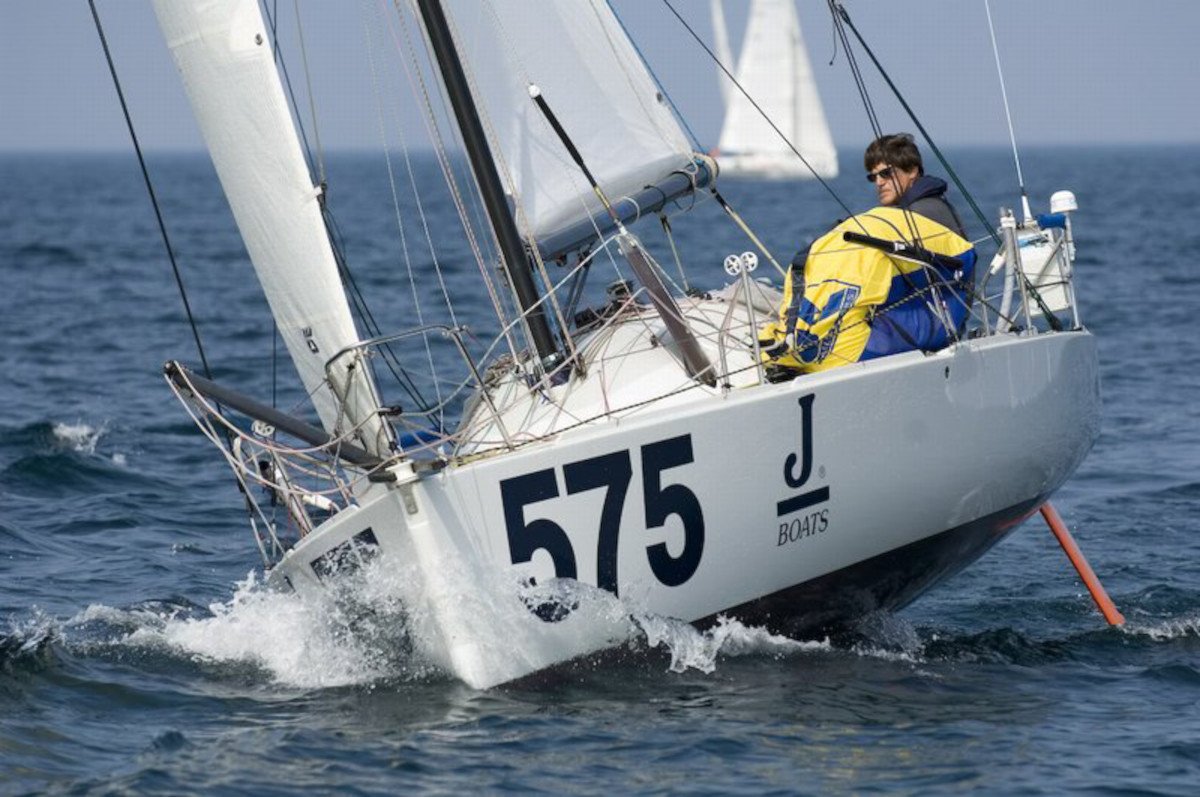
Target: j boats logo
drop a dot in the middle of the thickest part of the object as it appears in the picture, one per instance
(814, 518)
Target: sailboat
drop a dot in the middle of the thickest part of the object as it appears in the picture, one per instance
(638, 452)
(774, 72)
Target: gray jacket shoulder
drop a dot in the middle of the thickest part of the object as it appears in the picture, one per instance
(939, 210)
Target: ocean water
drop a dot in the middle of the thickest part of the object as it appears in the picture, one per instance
(139, 652)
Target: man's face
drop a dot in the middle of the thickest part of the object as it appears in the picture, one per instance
(891, 182)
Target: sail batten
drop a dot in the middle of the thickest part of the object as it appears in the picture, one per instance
(223, 51)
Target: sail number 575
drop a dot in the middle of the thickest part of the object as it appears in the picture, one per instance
(612, 473)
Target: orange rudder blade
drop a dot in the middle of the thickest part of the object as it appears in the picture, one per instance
(1105, 604)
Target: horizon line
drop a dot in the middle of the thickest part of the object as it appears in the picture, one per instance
(353, 150)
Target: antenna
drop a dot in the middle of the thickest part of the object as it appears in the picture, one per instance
(1008, 115)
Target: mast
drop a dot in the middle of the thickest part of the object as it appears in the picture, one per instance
(512, 249)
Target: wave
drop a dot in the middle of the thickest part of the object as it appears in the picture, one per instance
(49, 457)
(27, 648)
(693, 649)
(294, 641)
(49, 437)
(365, 630)
(1167, 630)
(40, 255)
(79, 437)
(358, 632)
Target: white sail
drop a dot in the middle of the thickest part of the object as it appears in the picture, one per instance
(595, 82)
(724, 51)
(775, 71)
(223, 50)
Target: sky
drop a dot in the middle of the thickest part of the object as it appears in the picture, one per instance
(1076, 71)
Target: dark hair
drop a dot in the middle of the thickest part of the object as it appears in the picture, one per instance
(895, 150)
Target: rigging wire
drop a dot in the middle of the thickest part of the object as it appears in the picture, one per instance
(869, 106)
(757, 107)
(471, 200)
(840, 13)
(860, 83)
(312, 100)
(840, 21)
(274, 324)
(417, 81)
(357, 299)
(666, 225)
(287, 81)
(368, 33)
(1012, 136)
(250, 505)
(367, 317)
(162, 227)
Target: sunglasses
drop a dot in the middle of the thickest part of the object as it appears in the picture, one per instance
(886, 173)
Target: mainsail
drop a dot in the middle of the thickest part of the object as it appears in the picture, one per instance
(775, 71)
(223, 50)
(591, 75)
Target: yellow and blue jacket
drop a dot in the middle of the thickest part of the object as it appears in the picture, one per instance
(847, 302)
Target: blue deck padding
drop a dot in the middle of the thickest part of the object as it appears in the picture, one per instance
(1048, 220)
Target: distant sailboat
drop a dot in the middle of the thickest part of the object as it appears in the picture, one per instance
(775, 71)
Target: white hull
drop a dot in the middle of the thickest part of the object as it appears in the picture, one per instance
(721, 511)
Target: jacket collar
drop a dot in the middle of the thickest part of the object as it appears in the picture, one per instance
(923, 188)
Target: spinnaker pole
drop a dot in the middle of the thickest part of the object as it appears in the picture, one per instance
(512, 249)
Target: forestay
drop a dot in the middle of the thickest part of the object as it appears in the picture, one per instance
(223, 50)
(595, 82)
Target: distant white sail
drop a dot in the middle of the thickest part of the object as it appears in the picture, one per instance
(724, 51)
(592, 77)
(775, 71)
(223, 50)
